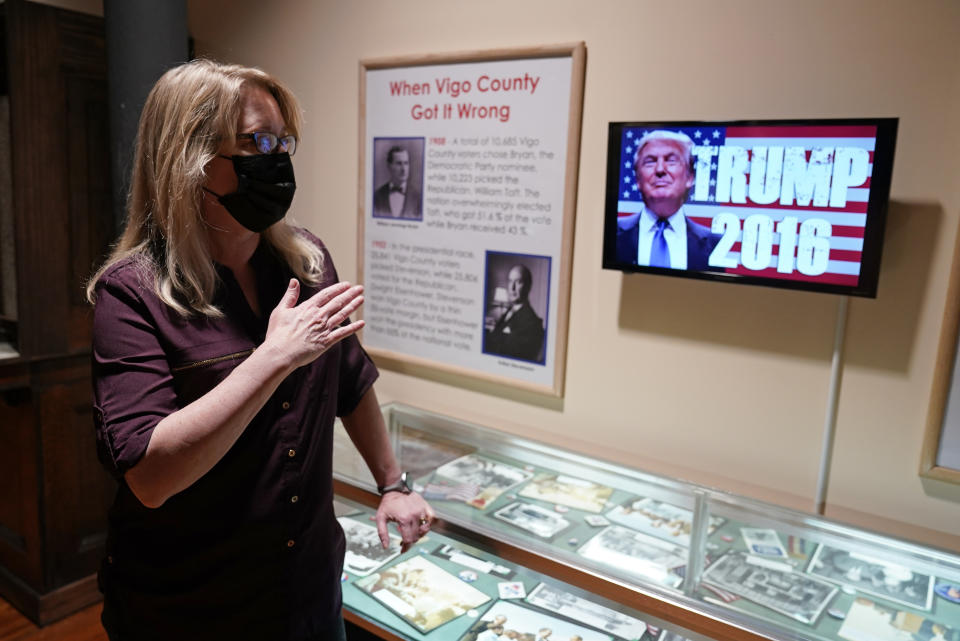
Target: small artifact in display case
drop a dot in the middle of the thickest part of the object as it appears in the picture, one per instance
(511, 590)
(662, 520)
(637, 554)
(423, 594)
(948, 592)
(533, 518)
(763, 541)
(479, 480)
(460, 557)
(771, 584)
(877, 577)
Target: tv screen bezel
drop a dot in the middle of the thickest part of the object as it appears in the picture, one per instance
(880, 179)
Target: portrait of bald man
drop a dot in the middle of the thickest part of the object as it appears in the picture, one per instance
(517, 331)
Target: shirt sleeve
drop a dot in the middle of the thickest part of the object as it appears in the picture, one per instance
(132, 383)
(357, 371)
(357, 374)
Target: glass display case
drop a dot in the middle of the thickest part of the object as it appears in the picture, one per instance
(714, 563)
(446, 588)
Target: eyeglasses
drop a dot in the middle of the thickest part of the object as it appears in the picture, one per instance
(268, 143)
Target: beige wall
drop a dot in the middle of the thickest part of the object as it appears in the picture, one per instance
(739, 402)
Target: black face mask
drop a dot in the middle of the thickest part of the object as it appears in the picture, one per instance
(264, 191)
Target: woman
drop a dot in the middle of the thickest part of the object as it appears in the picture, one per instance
(222, 352)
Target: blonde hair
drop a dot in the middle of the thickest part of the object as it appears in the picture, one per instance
(189, 112)
(682, 139)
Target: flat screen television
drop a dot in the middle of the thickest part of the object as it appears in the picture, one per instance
(786, 203)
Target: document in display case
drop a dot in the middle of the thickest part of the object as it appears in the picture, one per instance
(712, 562)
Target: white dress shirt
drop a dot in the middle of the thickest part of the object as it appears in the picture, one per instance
(396, 199)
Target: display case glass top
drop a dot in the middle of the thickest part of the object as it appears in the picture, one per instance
(732, 563)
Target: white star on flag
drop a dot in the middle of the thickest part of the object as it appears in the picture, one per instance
(697, 134)
(716, 134)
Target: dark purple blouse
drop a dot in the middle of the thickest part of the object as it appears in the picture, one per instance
(252, 549)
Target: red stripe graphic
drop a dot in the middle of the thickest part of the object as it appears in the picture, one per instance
(829, 279)
(844, 231)
(837, 231)
(823, 131)
(835, 254)
(852, 207)
(846, 254)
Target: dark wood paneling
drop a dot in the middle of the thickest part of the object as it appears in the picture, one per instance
(38, 132)
(90, 213)
(82, 44)
(4, 313)
(3, 51)
(53, 518)
(20, 549)
(61, 171)
(76, 489)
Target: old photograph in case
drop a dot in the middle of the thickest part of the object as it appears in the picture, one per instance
(364, 552)
(422, 593)
(638, 554)
(879, 578)
(533, 518)
(771, 584)
(568, 491)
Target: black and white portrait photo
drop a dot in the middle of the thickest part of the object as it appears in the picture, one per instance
(517, 288)
(398, 178)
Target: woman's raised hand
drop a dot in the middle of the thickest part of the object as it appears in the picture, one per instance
(301, 333)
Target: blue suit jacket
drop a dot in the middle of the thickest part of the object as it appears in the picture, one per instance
(700, 243)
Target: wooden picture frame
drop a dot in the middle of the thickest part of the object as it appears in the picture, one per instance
(491, 143)
(943, 418)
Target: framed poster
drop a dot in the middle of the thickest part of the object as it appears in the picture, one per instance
(467, 193)
(940, 456)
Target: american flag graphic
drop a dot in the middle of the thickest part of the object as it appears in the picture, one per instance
(804, 172)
